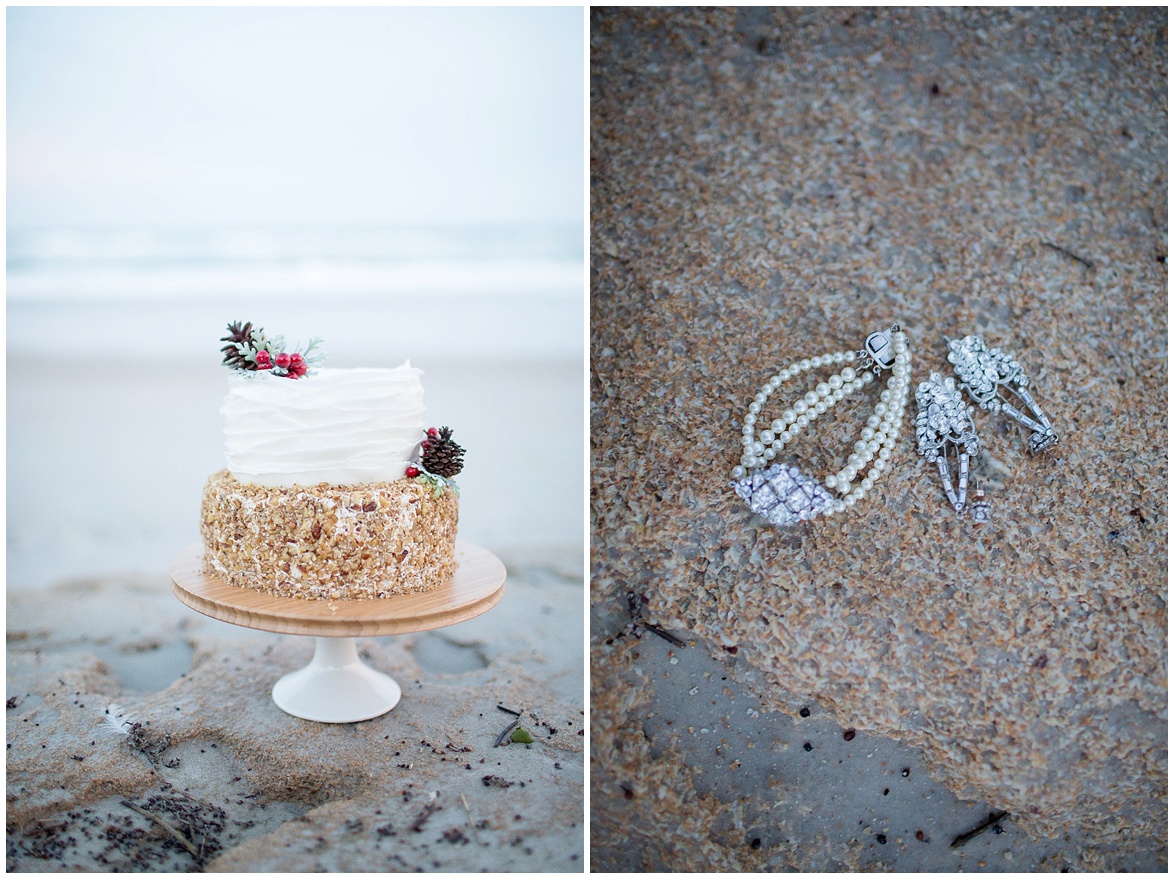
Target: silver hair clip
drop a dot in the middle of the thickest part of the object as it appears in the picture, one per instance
(944, 421)
(983, 371)
(784, 494)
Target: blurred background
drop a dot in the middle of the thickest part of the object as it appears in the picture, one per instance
(405, 183)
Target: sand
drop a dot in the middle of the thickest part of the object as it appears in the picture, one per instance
(773, 184)
(252, 789)
(106, 464)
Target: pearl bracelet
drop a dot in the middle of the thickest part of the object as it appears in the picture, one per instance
(782, 492)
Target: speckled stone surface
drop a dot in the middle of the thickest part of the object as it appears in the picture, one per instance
(772, 184)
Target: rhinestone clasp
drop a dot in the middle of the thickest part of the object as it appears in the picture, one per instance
(879, 347)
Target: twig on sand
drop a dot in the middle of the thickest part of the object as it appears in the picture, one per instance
(505, 732)
(993, 819)
(501, 707)
(469, 815)
(656, 630)
(636, 622)
(183, 840)
(1088, 264)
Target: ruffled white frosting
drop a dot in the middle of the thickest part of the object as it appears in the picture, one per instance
(339, 426)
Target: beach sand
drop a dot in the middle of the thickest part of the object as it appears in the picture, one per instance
(106, 464)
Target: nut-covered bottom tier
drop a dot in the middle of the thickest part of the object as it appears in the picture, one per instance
(329, 541)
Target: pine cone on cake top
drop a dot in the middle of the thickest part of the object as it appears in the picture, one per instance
(248, 349)
(240, 340)
(440, 455)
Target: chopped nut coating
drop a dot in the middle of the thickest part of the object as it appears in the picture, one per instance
(329, 541)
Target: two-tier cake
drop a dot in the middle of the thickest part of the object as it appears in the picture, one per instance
(333, 487)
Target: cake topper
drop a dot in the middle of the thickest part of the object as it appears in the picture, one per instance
(248, 350)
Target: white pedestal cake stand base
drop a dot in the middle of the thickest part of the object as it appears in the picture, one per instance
(337, 687)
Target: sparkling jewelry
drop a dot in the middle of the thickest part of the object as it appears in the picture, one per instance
(944, 421)
(983, 371)
(980, 509)
(783, 493)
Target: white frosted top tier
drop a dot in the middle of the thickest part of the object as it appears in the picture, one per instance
(339, 426)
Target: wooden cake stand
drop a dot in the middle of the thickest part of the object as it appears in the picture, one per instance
(336, 687)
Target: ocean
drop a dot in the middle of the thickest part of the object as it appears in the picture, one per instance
(374, 294)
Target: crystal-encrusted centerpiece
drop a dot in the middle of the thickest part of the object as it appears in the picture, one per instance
(783, 494)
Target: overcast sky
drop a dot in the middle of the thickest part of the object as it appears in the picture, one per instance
(235, 116)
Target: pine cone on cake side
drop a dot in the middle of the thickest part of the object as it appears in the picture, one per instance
(440, 455)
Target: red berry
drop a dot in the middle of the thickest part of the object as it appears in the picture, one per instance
(282, 360)
(425, 445)
(296, 359)
(263, 361)
(433, 432)
(412, 472)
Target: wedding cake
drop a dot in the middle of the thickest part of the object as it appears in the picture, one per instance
(333, 487)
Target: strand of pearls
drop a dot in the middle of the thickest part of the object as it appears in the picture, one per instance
(814, 403)
(760, 447)
(872, 451)
(879, 436)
